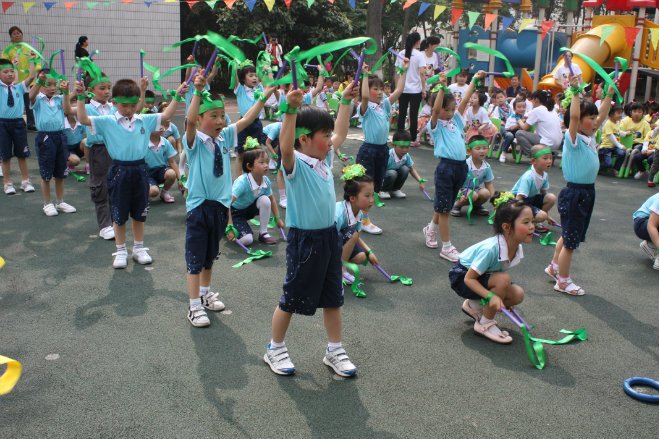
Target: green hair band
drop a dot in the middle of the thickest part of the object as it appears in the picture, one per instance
(210, 105)
(351, 172)
(402, 143)
(100, 80)
(301, 130)
(4, 63)
(126, 100)
(543, 151)
(477, 143)
(149, 100)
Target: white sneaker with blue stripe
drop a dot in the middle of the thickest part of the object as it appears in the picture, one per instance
(279, 361)
(339, 361)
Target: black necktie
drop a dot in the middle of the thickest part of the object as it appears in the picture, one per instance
(10, 97)
(218, 164)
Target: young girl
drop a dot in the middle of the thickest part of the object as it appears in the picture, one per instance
(576, 201)
(480, 180)
(357, 195)
(480, 277)
(424, 117)
(646, 227)
(611, 146)
(251, 195)
(476, 118)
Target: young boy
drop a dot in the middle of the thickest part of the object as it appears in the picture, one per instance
(636, 126)
(52, 151)
(511, 127)
(533, 184)
(611, 145)
(272, 132)
(399, 166)
(207, 143)
(313, 254)
(162, 167)
(126, 134)
(13, 133)
(479, 175)
(75, 135)
(459, 87)
(247, 92)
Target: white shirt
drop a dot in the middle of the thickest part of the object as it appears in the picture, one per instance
(478, 119)
(413, 78)
(562, 75)
(458, 91)
(547, 126)
(103, 109)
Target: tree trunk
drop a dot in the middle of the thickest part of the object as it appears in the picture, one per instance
(374, 27)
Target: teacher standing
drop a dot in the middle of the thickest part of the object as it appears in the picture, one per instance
(415, 83)
(81, 47)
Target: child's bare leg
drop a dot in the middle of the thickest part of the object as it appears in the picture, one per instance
(119, 234)
(349, 246)
(59, 189)
(45, 191)
(548, 202)
(557, 251)
(138, 231)
(193, 282)
(154, 191)
(170, 178)
(564, 262)
(22, 165)
(280, 321)
(482, 196)
(333, 323)
(6, 171)
(442, 220)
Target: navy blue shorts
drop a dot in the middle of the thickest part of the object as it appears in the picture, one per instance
(575, 205)
(450, 175)
(535, 203)
(76, 149)
(345, 235)
(255, 130)
(313, 271)
(374, 158)
(52, 154)
(129, 191)
(241, 216)
(156, 176)
(13, 139)
(204, 227)
(457, 278)
(641, 229)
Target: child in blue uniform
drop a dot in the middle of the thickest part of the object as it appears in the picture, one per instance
(533, 184)
(646, 227)
(162, 167)
(373, 154)
(479, 184)
(272, 132)
(126, 134)
(52, 150)
(399, 166)
(74, 132)
(480, 277)
(576, 201)
(252, 196)
(248, 92)
(13, 133)
(446, 126)
(207, 143)
(313, 253)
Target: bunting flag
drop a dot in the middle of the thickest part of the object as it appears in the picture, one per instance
(526, 22)
(191, 3)
(455, 15)
(69, 5)
(606, 31)
(6, 6)
(211, 4)
(654, 37)
(309, 3)
(92, 5)
(171, 1)
(148, 4)
(269, 4)
(423, 8)
(438, 10)
(489, 18)
(506, 22)
(472, 16)
(126, 2)
(630, 35)
(546, 27)
(351, 2)
(288, 4)
(229, 3)
(27, 6)
(407, 4)
(250, 4)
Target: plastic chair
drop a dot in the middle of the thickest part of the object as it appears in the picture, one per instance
(333, 105)
(497, 123)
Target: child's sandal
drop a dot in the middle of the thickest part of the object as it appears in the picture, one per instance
(570, 288)
(484, 330)
(471, 312)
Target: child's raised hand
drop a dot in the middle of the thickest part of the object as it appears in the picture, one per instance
(365, 68)
(351, 92)
(199, 82)
(373, 259)
(294, 98)
(32, 55)
(442, 78)
(574, 81)
(182, 89)
(144, 83)
(189, 59)
(480, 74)
(269, 90)
(231, 236)
(280, 223)
(64, 86)
(79, 87)
(611, 91)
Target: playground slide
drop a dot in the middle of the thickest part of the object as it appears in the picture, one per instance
(589, 45)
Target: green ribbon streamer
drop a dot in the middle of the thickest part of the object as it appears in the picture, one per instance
(22, 45)
(53, 73)
(546, 239)
(599, 70)
(79, 178)
(570, 93)
(402, 279)
(271, 222)
(510, 71)
(422, 180)
(255, 255)
(377, 201)
(339, 59)
(458, 61)
(356, 285)
(253, 41)
(379, 62)
(536, 351)
(157, 77)
(251, 143)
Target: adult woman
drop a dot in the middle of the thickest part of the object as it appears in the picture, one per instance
(81, 47)
(431, 59)
(414, 84)
(16, 35)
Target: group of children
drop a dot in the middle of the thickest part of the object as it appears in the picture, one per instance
(130, 156)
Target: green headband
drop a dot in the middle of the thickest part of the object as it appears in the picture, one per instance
(100, 80)
(6, 63)
(402, 143)
(210, 105)
(351, 172)
(301, 130)
(477, 143)
(126, 100)
(149, 99)
(542, 152)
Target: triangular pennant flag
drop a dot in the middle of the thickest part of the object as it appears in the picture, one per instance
(654, 37)
(229, 3)
(438, 10)
(27, 6)
(455, 15)
(630, 35)
(489, 18)
(409, 3)
(423, 8)
(331, 1)
(191, 3)
(606, 31)
(546, 27)
(6, 6)
(507, 21)
(250, 4)
(126, 2)
(472, 16)
(352, 3)
(526, 22)
(92, 5)
(309, 3)
(171, 1)
(69, 5)
(269, 4)
(211, 4)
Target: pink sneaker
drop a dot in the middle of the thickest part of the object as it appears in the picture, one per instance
(166, 197)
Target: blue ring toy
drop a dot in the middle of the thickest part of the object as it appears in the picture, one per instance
(641, 381)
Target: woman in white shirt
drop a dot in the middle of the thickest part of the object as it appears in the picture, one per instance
(430, 58)
(544, 120)
(562, 75)
(415, 82)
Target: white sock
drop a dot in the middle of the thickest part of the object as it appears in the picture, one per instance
(446, 245)
(138, 244)
(282, 194)
(493, 329)
(554, 265)
(275, 345)
(121, 248)
(475, 304)
(263, 204)
(434, 227)
(204, 290)
(331, 347)
(195, 303)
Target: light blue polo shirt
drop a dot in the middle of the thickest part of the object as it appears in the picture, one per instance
(159, 154)
(310, 193)
(123, 144)
(202, 183)
(449, 139)
(245, 97)
(490, 256)
(395, 163)
(345, 218)
(15, 112)
(190, 93)
(75, 135)
(48, 113)
(307, 98)
(272, 131)
(247, 190)
(531, 183)
(93, 139)
(580, 162)
(172, 130)
(375, 122)
(650, 206)
(482, 175)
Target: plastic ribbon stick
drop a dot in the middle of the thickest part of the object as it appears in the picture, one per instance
(426, 194)
(142, 63)
(13, 372)
(79, 178)
(509, 73)
(360, 63)
(61, 60)
(265, 39)
(356, 286)
(283, 233)
(396, 54)
(402, 279)
(451, 73)
(211, 61)
(546, 240)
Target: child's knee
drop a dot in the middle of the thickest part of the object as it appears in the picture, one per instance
(74, 160)
(154, 191)
(247, 239)
(484, 195)
(359, 258)
(550, 199)
(515, 295)
(500, 281)
(263, 202)
(170, 175)
(540, 216)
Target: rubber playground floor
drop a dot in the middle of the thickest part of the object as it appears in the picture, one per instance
(109, 353)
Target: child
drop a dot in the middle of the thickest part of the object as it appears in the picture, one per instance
(646, 227)
(13, 133)
(248, 91)
(447, 128)
(511, 92)
(511, 127)
(207, 143)
(150, 106)
(399, 166)
(611, 146)
(52, 151)
(479, 276)
(476, 118)
(172, 134)
(646, 154)
(576, 201)
(373, 154)
(500, 109)
(650, 144)
(271, 132)
(251, 195)
(479, 175)
(357, 195)
(459, 87)
(636, 126)
(74, 133)
(531, 188)
(126, 134)
(424, 117)
(162, 167)
(313, 253)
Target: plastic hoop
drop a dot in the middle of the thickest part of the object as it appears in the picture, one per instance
(641, 381)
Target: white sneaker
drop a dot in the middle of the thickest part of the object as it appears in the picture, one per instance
(398, 194)
(371, 228)
(502, 158)
(50, 210)
(26, 186)
(348, 278)
(65, 207)
(272, 165)
(120, 259)
(10, 189)
(283, 203)
(1, 173)
(451, 254)
(232, 153)
(212, 302)
(141, 256)
(107, 233)
(431, 237)
(279, 360)
(649, 249)
(639, 175)
(656, 263)
(198, 317)
(339, 361)
(384, 195)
